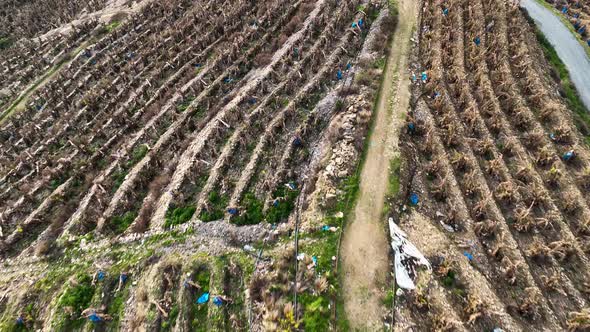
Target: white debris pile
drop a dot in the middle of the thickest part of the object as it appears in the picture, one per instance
(407, 257)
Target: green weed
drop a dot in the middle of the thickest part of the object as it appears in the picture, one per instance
(179, 215)
(253, 211)
(216, 210)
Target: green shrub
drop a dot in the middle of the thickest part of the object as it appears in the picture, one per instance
(179, 215)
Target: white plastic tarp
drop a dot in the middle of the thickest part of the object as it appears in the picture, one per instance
(407, 257)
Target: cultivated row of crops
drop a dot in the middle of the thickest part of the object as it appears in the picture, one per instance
(505, 173)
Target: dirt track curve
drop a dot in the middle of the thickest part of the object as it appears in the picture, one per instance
(365, 244)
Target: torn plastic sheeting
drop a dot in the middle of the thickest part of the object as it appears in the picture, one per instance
(407, 257)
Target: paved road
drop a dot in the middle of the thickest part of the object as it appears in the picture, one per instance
(567, 46)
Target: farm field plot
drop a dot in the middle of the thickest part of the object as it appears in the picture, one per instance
(181, 165)
(496, 164)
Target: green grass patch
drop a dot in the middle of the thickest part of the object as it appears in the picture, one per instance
(5, 42)
(172, 316)
(316, 314)
(112, 26)
(199, 319)
(281, 211)
(139, 153)
(116, 308)
(252, 213)
(389, 297)
(77, 297)
(179, 215)
(380, 63)
(183, 106)
(55, 183)
(393, 7)
(118, 177)
(216, 209)
(120, 223)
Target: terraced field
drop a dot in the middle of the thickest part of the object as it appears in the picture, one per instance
(154, 163)
(189, 165)
(500, 165)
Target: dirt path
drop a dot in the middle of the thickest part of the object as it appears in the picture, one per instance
(365, 247)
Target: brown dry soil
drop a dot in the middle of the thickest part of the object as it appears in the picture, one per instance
(365, 247)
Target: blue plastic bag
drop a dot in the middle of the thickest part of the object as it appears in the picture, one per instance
(218, 301)
(414, 199)
(568, 155)
(203, 298)
(94, 318)
(468, 255)
(424, 77)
